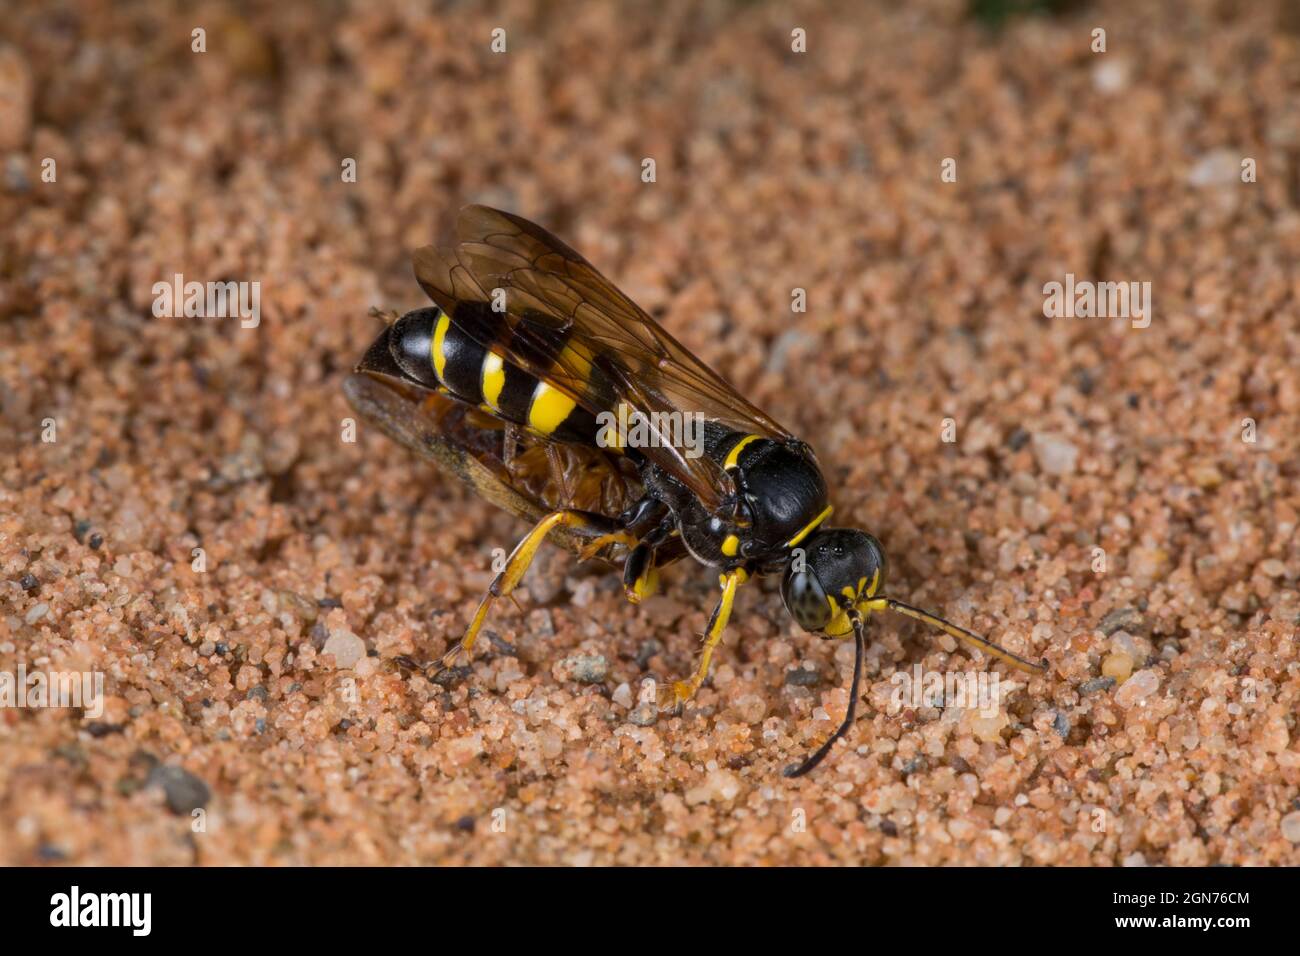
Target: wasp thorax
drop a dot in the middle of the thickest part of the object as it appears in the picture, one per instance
(833, 570)
(783, 491)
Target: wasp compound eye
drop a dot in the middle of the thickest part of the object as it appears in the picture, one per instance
(805, 599)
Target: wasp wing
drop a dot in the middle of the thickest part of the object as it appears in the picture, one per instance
(534, 481)
(522, 291)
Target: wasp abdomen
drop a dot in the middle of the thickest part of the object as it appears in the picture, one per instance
(438, 351)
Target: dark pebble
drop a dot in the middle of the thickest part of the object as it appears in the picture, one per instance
(47, 853)
(802, 677)
(1017, 439)
(501, 644)
(329, 602)
(889, 828)
(28, 582)
(647, 651)
(185, 792)
(1096, 684)
(1122, 619)
(452, 676)
(915, 765)
(465, 824)
(96, 541)
(256, 693)
(1061, 725)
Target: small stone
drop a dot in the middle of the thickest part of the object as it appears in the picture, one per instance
(1096, 684)
(1110, 75)
(300, 607)
(1055, 455)
(1272, 568)
(1291, 826)
(1220, 167)
(644, 715)
(346, 647)
(587, 668)
(36, 612)
(28, 582)
(622, 695)
(989, 729)
(802, 677)
(185, 792)
(751, 708)
(1122, 619)
(1117, 666)
(1137, 688)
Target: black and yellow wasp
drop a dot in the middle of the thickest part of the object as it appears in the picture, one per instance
(506, 381)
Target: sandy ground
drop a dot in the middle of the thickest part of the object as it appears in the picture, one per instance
(1104, 504)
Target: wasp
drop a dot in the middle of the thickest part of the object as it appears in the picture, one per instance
(511, 380)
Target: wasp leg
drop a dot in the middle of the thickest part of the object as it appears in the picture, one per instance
(641, 569)
(643, 523)
(506, 581)
(678, 692)
(597, 545)
(640, 576)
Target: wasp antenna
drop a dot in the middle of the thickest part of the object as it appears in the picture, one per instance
(859, 636)
(960, 633)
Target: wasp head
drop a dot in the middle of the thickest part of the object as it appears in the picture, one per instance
(831, 574)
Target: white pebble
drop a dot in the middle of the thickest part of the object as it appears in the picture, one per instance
(346, 647)
(1055, 455)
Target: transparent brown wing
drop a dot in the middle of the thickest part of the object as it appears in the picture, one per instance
(561, 320)
(536, 479)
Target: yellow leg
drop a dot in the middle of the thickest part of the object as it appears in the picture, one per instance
(678, 692)
(646, 584)
(605, 540)
(506, 581)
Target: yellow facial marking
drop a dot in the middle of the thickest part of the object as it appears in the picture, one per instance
(549, 408)
(810, 527)
(733, 456)
(730, 545)
(494, 379)
(439, 338)
(874, 585)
